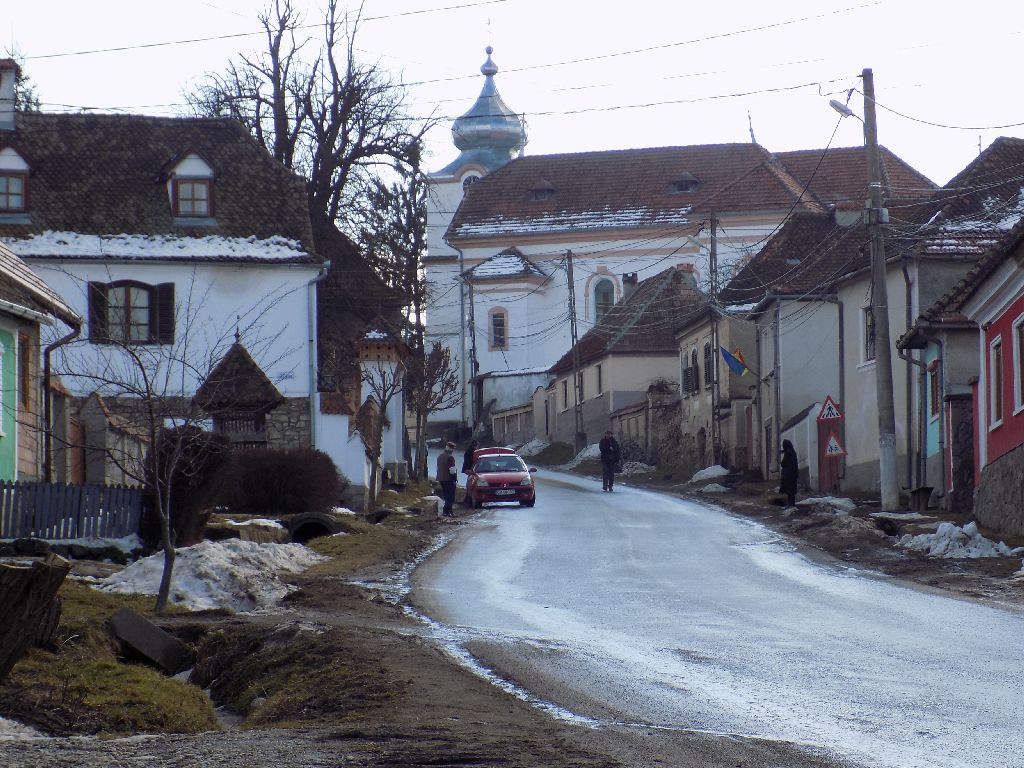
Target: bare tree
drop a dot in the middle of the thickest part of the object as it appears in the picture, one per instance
(149, 385)
(26, 97)
(385, 380)
(316, 108)
(433, 385)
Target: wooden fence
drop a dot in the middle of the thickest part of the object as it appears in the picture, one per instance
(55, 511)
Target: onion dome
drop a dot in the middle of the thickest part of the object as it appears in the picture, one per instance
(490, 133)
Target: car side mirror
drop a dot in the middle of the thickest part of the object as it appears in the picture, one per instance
(533, 470)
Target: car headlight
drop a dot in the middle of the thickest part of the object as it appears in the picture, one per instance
(481, 483)
(526, 481)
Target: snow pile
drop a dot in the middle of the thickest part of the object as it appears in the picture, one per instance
(636, 468)
(714, 488)
(233, 574)
(587, 454)
(709, 473)
(951, 540)
(837, 505)
(533, 447)
(11, 731)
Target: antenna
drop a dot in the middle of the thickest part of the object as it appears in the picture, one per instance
(750, 123)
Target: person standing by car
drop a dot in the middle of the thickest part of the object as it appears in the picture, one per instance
(446, 476)
(467, 467)
(790, 467)
(610, 455)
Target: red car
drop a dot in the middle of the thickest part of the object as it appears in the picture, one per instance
(501, 477)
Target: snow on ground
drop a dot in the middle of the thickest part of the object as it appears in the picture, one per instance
(266, 523)
(709, 473)
(589, 453)
(838, 505)
(14, 731)
(233, 574)
(636, 468)
(951, 540)
(126, 544)
(714, 488)
(900, 515)
(533, 447)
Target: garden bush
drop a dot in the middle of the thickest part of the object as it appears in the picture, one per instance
(275, 482)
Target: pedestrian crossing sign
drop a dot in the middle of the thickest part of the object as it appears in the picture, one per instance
(830, 411)
(833, 448)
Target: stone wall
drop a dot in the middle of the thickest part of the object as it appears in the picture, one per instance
(288, 425)
(999, 503)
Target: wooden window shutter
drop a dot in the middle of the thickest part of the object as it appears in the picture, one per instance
(164, 327)
(97, 296)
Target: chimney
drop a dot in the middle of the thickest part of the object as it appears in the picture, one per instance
(689, 274)
(629, 283)
(8, 74)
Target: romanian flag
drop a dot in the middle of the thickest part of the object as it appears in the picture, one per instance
(735, 361)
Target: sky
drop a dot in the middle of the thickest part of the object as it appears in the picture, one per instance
(589, 76)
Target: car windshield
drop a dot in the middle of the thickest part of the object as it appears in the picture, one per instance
(500, 464)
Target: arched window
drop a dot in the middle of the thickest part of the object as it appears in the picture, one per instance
(467, 182)
(708, 362)
(604, 298)
(497, 329)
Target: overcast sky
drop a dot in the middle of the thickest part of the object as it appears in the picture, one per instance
(639, 74)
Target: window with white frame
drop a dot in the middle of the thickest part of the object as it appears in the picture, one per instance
(868, 327)
(995, 382)
(1018, 365)
(498, 329)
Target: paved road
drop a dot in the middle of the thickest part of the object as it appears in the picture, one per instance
(636, 607)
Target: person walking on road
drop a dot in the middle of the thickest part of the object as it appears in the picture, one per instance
(447, 474)
(610, 455)
(790, 467)
(467, 467)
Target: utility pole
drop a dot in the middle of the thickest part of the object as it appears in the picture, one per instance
(577, 377)
(877, 218)
(716, 437)
(474, 365)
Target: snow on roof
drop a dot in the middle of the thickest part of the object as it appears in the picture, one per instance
(566, 222)
(994, 214)
(123, 246)
(376, 336)
(517, 372)
(508, 263)
(233, 574)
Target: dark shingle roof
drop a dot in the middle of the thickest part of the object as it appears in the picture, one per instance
(237, 381)
(625, 188)
(643, 323)
(802, 258)
(21, 286)
(103, 175)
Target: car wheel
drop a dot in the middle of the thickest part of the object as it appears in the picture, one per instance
(529, 503)
(478, 503)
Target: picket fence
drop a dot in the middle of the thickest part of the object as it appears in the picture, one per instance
(55, 511)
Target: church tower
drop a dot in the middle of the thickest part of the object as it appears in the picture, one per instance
(488, 136)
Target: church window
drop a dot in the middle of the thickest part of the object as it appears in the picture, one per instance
(604, 298)
(498, 329)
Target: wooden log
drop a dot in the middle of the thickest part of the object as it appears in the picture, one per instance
(26, 598)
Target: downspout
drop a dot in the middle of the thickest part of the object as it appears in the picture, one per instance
(314, 384)
(922, 435)
(76, 330)
(760, 399)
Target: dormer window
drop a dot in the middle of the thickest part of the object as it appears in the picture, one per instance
(684, 183)
(544, 190)
(193, 198)
(468, 182)
(13, 192)
(190, 189)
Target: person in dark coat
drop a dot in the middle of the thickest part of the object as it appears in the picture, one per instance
(467, 467)
(610, 455)
(790, 471)
(447, 476)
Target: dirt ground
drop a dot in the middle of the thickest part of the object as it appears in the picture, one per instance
(412, 705)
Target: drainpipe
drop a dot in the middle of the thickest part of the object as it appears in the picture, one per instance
(314, 388)
(76, 330)
(940, 372)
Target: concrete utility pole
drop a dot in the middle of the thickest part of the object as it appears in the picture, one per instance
(878, 217)
(716, 427)
(577, 377)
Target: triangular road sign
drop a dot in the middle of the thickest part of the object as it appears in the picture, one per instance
(830, 411)
(833, 447)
